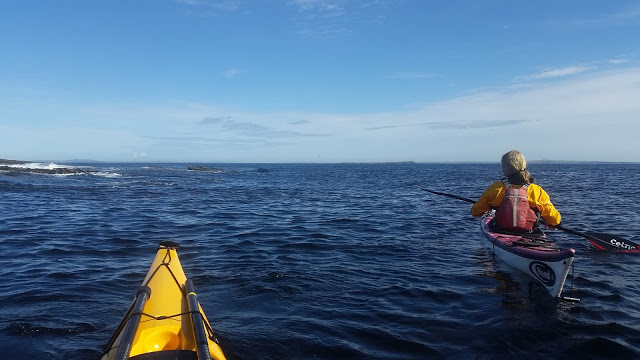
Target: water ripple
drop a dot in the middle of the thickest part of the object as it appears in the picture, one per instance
(313, 261)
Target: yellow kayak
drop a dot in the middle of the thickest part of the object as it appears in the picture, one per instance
(165, 320)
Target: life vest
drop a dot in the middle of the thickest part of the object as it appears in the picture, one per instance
(514, 213)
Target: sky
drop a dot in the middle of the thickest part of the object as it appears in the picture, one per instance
(263, 81)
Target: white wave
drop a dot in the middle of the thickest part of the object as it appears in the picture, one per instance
(106, 174)
(47, 166)
(72, 170)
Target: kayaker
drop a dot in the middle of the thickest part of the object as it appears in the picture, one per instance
(504, 196)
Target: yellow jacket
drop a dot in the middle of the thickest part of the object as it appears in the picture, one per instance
(538, 199)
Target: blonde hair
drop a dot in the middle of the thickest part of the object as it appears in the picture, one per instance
(514, 167)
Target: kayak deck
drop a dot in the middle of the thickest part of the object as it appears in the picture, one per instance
(534, 254)
(165, 320)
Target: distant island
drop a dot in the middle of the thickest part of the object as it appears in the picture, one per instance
(203, 168)
(12, 162)
(379, 162)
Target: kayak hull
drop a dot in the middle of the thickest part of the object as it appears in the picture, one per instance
(536, 256)
(161, 323)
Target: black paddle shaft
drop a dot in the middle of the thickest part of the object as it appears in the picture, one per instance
(449, 195)
(202, 345)
(126, 343)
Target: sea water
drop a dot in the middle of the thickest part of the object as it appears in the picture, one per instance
(314, 261)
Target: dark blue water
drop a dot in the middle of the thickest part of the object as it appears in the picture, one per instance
(346, 261)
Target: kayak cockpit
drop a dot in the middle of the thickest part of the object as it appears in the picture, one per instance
(168, 355)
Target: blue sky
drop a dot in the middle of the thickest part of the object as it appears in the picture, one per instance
(319, 80)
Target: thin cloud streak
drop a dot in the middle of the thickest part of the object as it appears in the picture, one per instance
(222, 5)
(231, 73)
(250, 129)
(554, 73)
(483, 124)
(214, 120)
(315, 5)
(200, 143)
(618, 61)
(324, 19)
(620, 17)
(412, 75)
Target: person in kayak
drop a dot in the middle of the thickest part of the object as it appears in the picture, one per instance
(518, 202)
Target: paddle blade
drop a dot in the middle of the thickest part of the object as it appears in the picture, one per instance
(611, 242)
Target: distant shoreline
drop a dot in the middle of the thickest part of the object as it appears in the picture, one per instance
(88, 161)
(14, 162)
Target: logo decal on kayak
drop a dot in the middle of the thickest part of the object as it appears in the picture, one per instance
(543, 272)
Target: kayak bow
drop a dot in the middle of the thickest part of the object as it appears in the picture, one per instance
(165, 320)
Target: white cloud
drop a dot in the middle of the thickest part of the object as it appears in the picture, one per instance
(618, 61)
(591, 117)
(553, 73)
(231, 73)
(315, 5)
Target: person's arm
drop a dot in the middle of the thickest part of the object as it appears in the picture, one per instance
(490, 198)
(547, 211)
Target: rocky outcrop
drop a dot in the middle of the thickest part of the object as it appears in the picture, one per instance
(204, 168)
(27, 167)
(55, 171)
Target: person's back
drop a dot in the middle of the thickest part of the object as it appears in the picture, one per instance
(514, 212)
(517, 201)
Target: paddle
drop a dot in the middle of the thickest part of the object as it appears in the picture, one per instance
(604, 241)
(601, 241)
(449, 195)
